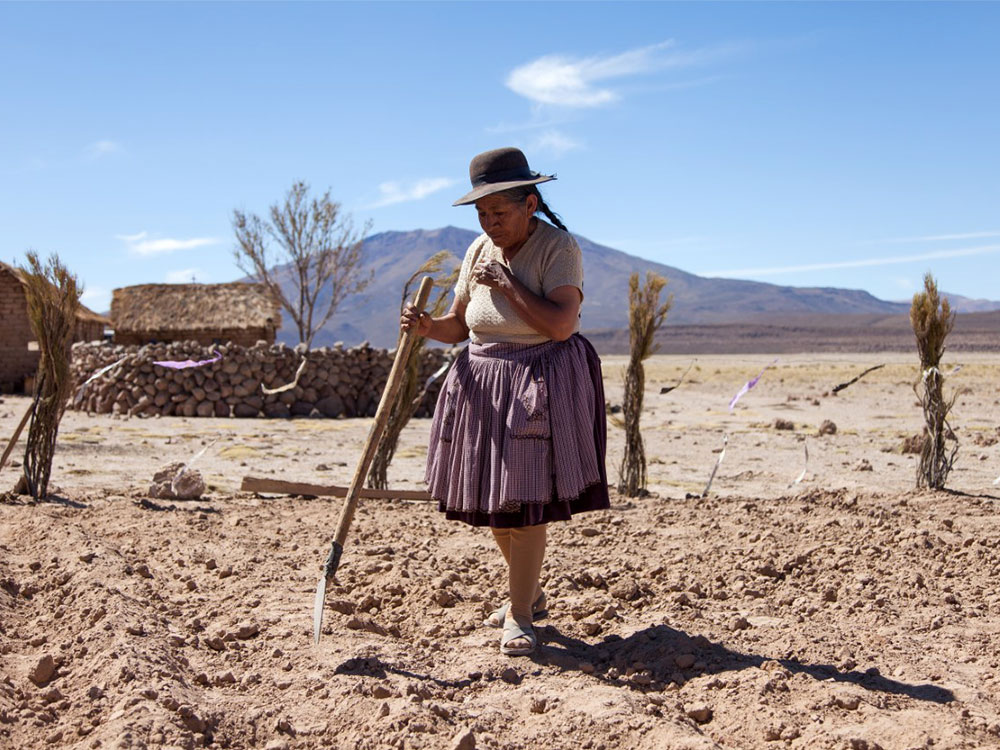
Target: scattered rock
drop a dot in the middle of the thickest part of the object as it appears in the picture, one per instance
(783, 424)
(847, 701)
(175, 482)
(863, 465)
(740, 623)
(247, 630)
(43, 671)
(827, 427)
(444, 598)
(627, 590)
(510, 675)
(685, 661)
(700, 712)
(464, 740)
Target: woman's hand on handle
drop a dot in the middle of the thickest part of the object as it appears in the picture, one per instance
(419, 323)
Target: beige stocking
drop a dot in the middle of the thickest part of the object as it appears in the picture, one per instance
(527, 550)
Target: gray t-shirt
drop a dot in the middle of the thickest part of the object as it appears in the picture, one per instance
(549, 259)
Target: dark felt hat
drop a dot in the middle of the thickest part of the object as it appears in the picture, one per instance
(497, 170)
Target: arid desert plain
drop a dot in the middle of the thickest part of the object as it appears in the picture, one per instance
(847, 610)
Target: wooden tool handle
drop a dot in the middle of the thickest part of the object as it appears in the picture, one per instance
(378, 426)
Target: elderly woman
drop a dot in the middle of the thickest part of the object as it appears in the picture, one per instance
(518, 436)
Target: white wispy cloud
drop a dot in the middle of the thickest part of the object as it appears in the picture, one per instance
(96, 297)
(555, 143)
(100, 149)
(861, 263)
(184, 276)
(397, 192)
(140, 244)
(567, 81)
(937, 238)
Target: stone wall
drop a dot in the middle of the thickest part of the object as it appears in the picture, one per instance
(16, 362)
(336, 382)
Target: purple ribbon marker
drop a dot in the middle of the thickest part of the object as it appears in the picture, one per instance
(748, 385)
(188, 363)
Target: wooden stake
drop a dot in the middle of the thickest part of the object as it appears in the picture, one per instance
(17, 434)
(279, 486)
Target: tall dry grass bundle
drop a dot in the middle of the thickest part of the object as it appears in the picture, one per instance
(53, 297)
(932, 319)
(645, 315)
(411, 391)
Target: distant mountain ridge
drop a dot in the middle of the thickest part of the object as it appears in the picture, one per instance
(394, 256)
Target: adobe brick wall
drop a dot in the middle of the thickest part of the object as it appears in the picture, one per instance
(16, 361)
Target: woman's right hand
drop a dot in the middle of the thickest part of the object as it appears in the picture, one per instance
(420, 323)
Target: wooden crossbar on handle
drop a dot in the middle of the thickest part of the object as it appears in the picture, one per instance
(371, 444)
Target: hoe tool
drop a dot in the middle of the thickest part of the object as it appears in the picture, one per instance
(371, 444)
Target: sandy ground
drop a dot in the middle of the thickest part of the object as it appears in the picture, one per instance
(846, 611)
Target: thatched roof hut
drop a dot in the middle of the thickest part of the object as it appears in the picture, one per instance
(17, 360)
(207, 313)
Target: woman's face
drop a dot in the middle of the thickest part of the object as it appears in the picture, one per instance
(507, 223)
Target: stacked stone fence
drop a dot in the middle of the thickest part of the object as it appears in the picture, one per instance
(336, 382)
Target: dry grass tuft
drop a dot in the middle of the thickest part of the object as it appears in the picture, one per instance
(53, 297)
(932, 319)
(646, 315)
(411, 392)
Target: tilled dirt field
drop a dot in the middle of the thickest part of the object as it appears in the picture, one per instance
(846, 611)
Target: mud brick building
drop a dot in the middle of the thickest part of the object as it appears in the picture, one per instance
(239, 313)
(18, 359)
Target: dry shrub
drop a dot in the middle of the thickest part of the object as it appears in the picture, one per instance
(411, 391)
(932, 319)
(646, 315)
(53, 297)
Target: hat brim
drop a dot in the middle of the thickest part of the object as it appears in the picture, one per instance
(498, 187)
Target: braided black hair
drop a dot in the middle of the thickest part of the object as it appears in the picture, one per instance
(520, 195)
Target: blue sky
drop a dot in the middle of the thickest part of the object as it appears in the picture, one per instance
(810, 144)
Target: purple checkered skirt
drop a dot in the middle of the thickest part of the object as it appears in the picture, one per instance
(519, 434)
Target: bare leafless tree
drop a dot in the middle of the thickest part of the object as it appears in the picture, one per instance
(318, 245)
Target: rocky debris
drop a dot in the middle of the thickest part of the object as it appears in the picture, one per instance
(43, 671)
(783, 424)
(247, 630)
(175, 482)
(464, 740)
(863, 465)
(511, 676)
(828, 427)
(700, 712)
